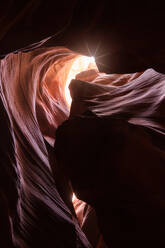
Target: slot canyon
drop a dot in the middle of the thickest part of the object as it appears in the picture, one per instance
(82, 151)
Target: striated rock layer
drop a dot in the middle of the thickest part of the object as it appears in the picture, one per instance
(35, 194)
(114, 146)
(33, 105)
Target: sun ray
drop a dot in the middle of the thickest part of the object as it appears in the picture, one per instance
(97, 47)
(103, 55)
(89, 52)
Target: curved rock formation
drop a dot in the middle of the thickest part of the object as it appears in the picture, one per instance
(35, 193)
(114, 145)
(34, 104)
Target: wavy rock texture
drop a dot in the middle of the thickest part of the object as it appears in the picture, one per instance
(33, 106)
(35, 194)
(117, 128)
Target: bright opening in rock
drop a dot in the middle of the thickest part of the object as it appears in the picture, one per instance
(80, 64)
